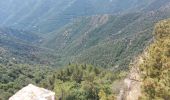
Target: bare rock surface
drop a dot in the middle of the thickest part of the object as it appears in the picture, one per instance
(32, 92)
(131, 90)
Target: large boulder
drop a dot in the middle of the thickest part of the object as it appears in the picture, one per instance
(32, 92)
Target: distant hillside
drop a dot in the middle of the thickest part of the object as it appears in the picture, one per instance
(79, 31)
(45, 16)
(106, 40)
(95, 39)
(22, 47)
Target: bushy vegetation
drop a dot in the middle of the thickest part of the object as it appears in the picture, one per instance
(86, 39)
(22, 47)
(74, 82)
(107, 43)
(84, 82)
(16, 76)
(156, 66)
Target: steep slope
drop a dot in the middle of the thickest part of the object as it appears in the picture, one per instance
(155, 67)
(131, 87)
(45, 16)
(105, 35)
(19, 35)
(106, 40)
(148, 78)
(22, 47)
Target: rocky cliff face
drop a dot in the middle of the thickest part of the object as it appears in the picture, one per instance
(32, 92)
(131, 89)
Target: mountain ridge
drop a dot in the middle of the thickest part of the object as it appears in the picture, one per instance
(60, 13)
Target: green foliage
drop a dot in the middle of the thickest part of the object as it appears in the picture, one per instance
(52, 15)
(16, 76)
(101, 40)
(107, 43)
(102, 95)
(156, 65)
(22, 47)
(74, 82)
(83, 82)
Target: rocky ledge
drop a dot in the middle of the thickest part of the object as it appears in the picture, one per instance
(32, 92)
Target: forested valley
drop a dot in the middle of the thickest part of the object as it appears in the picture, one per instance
(84, 49)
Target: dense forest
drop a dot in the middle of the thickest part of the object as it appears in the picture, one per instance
(15, 76)
(79, 82)
(156, 66)
(74, 82)
(83, 81)
(81, 49)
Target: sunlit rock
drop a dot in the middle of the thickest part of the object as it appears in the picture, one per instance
(32, 92)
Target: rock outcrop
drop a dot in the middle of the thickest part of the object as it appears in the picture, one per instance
(131, 89)
(32, 92)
